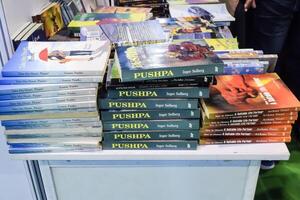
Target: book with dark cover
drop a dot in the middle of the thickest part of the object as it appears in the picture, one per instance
(150, 145)
(114, 115)
(145, 104)
(151, 135)
(248, 93)
(114, 81)
(167, 60)
(244, 140)
(151, 125)
(46, 59)
(171, 92)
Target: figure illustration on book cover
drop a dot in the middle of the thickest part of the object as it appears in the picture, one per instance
(64, 56)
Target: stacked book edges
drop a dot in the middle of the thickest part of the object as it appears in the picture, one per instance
(48, 96)
(248, 109)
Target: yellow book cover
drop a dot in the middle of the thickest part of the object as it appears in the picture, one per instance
(223, 43)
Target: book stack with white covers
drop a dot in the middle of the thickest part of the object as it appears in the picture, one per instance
(48, 96)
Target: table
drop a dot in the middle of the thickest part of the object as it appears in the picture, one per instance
(227, 172)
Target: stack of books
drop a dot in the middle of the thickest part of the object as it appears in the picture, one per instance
(152, 95)
(248, 109)
(48, 96)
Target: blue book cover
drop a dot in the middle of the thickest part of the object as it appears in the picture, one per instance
(167, 60)
(79, 58)
(17, 89)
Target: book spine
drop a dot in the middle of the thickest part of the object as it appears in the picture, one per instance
(246, 134)
(144, 104)
(161, 73)
(196, 92)
(50, 80)
(245, 129)
(244, 140)
(54, 100)
(248, 124)
(64, 93)
(149, 114)
(146, 145)
(49, 121)
(55, 106)
(152, 125)
(151, 135)
(258, 112)
(49, 73)
(261, 116)
(250, 120)
(40, 88)
(51, 126)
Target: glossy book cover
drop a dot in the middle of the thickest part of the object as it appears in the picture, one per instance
(88, 58)
(167, 60)
(242, 93)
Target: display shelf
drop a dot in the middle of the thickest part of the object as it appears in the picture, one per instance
(276, 151)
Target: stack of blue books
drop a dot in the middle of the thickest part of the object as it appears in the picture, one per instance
(48, 96)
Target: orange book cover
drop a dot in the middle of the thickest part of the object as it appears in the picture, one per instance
(242, 129)
(244, 140)
(246, 93)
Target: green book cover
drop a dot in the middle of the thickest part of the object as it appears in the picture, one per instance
(150, 145)
(151, 135)
(123, 115)
(145, 104)
(151, 125)
(167, 60)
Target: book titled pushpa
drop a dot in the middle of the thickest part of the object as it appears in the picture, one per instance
(50, 59)
(167, 60)
(237, 94)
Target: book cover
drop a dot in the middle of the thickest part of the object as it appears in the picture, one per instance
(151, 125)
(150, 145)
(151, 135)
(90, 19)
(89, 5)
(51, 18)
(248, 123)
(247, 93)
(179, 93)
(45, 59)
(222, 43)
(114, 81)
(167, 60)
(145, 104)
(244, 140)
(134, 33)
(44, 101)
(23, 89)
(115, 115)
(119, 9)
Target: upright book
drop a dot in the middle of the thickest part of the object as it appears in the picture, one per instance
(167, 60)
(42, 59)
